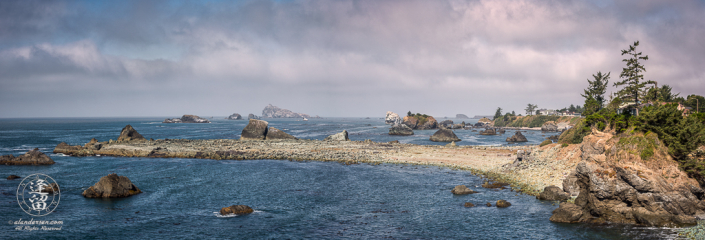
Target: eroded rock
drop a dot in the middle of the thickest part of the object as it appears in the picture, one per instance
(444, 135)
(462, 190)
(236, 209)
(255, 130)
(341, 136)
(127, 134)
(112, 186)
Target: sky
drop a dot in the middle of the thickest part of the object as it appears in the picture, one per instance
(334, 58)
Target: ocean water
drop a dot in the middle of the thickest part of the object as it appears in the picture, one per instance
(292, 200)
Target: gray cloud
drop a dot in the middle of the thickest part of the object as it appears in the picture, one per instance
(331, 58)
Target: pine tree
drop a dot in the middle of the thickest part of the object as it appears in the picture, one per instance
(596, 88)
(634, 85)
(530, 109)
(498, 114)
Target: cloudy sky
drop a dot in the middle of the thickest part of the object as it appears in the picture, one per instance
(336, 58)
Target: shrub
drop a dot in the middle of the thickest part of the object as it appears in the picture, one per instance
(544, 143)
(564, 145)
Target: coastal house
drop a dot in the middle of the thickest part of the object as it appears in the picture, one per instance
(547, 112)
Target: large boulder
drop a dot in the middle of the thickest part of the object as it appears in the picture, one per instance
(488, 131)
(187, 119)
(274, 133)
(553, 193)
(549, 126)
(502, 204)
(129, 134)
(567, 213)
(446, 124)
(255, 130)
(444, 135)
(112, 186)
(234, 116)
(410, 122)
(461, 190)
(33, 157)
(392, 118)
(518, 137)
(236, 209)
(401, 129)
(341, 136)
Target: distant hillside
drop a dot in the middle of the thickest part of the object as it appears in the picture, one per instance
(532, 121)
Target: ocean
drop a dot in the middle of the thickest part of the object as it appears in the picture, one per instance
(292, 200)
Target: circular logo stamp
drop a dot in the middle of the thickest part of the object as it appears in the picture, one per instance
(38, 194)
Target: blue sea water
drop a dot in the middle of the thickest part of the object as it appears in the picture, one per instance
(292, 200)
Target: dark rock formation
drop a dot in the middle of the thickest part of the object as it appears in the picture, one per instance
(549, 126)
(236, 209)
(392, 118)
(341, 136)
(235, 116)
(567, 213)
(33, 157)
(400, 129)
(501, 131)
(112, 186)
(187, 119)
(446, 124)
(553, 193)
(469, 204)
(12, 177)
(128, 134)
(252, 116)
(444, 135)
(274, 133)
(518, 137)
(488, 131)
(275, 112)
(488, 204)
(461, 116)
(502, 204)
(51, 189)
(461, 190)
(255, 130)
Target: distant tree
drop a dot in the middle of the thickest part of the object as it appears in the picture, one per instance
(571, 108)
(513, 114)
(530, 109)
(634, 86)
(538, 112)
(696, 102)
(409, 114)
(579, 109)
(596, 88)
(498, 114)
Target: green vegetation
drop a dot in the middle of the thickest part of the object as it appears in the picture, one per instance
(527, 121)
(634, 85)
(662, 94)
(498, 114)
(544, 143)
(595, 93)
(422, 118)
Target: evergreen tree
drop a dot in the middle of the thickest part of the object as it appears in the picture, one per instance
(498, 114)
(409, 114)
(596, 89)
(513, 114)
(571, 108)
(591, 106)
(634, 86)
(530, 109)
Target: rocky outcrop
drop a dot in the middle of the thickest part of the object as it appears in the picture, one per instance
(502, 204)
(112, 186)
(33, 157)
(275, 112)
(255, 130)
(400, 129)
(236, 209)
(274, 133)
(446, 124)
(392, 118)
(410, 122)
(234, 116)
(252, 116)
(461, 116)
(459, 125)
(489, 131)
(420, 122)
(128, 134)
(444, 135)
(430, 123)
(553, 193)
(187, 119)
(619, 183)
(461, 190)
(341, 136)
(549, 126)
(518, 137)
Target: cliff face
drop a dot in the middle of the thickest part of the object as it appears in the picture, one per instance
(629, 178)
(276, 112)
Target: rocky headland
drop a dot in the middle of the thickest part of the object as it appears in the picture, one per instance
(275, 112)
(187, 119)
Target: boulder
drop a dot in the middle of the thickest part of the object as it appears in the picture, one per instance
(51, 189)
(502, 204)
(187, 119)
(461, 190)
(461, 116)
(236, 209)
(430, 123)
(488, 131)
(252, 116)
(488, 204)
(341, 136)
(501, 131)
(274, 133)
(410, 122)
(469, 204)
(255, 130)
(400, 129)
(12, 177)
(553, 193)
(127, 134)
(446, 124)
(392, 118)
(567, 213)
(234, 116)
(275, 112)
(112, 186)
(33, 157)
(459, 126)
(444, 135)
(549, 126)
(518, 137)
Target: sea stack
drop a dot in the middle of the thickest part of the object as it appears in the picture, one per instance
(112, 186)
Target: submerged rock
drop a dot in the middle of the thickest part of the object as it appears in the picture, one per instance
(127, 134)
(518, 137)
(553, 193)
(341, 136)
(33, 157)
(392, 118)
(469, 204)
(234, 116)
(236, 209)
(255, 130)
(274, 133)
(12, 177)
(488, 131)
(444, 135)
(461, 190)
(502, 204)
(401, 129)
(112, 186)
